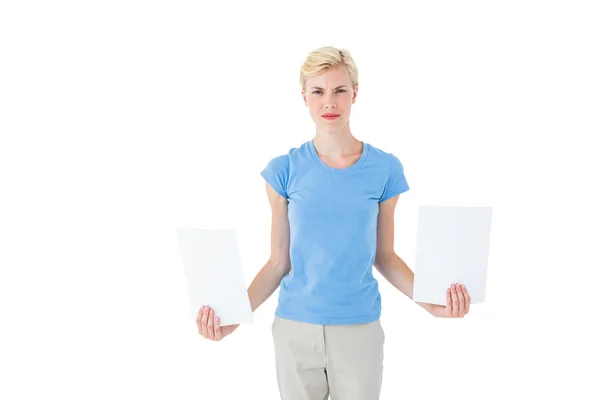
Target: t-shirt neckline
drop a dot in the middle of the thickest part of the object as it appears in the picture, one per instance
(358, 163)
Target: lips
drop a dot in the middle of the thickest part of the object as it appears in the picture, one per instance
(330, 115)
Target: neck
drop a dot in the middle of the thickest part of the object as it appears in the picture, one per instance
(332, 143)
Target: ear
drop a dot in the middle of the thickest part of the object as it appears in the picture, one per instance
(355, 93)
(304, 98)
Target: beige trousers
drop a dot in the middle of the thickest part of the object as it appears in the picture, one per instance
(314, 361)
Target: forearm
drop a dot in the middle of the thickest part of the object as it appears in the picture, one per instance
(265, 283)
(395, 271)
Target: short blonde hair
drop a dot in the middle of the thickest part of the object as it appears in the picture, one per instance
(327, 57)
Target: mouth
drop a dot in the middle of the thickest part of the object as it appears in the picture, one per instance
(330, 116)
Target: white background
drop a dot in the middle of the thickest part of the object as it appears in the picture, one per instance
(122, 120)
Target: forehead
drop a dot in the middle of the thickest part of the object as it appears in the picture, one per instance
(332, 77)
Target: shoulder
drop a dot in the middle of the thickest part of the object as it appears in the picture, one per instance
(292, 159)
(277, 171)
(387, 159)
(392, 170)
(279, 161)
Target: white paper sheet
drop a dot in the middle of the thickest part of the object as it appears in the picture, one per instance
(452, 246)
(214, 274)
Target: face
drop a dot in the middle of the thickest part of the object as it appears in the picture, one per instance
(330, 92)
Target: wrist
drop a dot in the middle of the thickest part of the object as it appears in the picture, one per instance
(438, 311)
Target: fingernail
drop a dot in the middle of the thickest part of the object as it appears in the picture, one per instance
(462, 286)
(202, 308)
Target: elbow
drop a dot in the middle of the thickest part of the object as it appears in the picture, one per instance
(283, 267)
(383, 258)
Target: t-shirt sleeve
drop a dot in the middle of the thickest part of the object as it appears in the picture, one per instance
(396, 182)
(276, 174)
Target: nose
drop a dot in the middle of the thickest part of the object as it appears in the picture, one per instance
(329, 103)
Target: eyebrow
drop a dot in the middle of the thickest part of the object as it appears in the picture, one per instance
(316, 87)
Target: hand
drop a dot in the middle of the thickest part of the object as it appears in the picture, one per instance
(209, 327)
(457, 305)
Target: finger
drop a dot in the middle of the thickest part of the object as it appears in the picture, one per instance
(454, 302)
(211, 324)
(204, 321)
(218, 333)
(461, 301)
(467, 299)
(201, 325)
(448, 302)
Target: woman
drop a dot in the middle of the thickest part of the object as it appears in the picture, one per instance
(332, 202)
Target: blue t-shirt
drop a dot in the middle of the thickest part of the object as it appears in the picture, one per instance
(332, 214)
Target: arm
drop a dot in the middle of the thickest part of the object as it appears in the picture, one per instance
(278, 265)
(395, 271)
(392, 268)
(387, 262)
(267, 279)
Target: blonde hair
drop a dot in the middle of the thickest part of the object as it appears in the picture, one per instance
(327, 57)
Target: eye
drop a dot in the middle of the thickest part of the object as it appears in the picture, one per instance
(339, 90)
